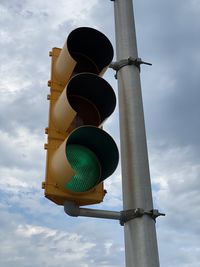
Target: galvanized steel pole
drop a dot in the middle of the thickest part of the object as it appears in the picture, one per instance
(140, 234)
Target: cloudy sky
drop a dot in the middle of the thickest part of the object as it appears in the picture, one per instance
(36, 232)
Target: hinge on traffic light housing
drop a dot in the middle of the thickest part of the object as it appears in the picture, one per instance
(124, 62)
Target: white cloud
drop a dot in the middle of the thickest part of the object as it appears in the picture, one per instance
(14, 78)
(46, 246)
(65, 10)
(113, 184)
(175, 178)
(36, 245)
(24, 149)
(36, 232)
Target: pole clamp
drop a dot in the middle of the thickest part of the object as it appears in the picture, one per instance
(128, 215)
(124, 62)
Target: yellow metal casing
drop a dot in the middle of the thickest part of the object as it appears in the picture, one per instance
(52, 190)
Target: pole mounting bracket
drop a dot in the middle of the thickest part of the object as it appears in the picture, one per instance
(128, 215)
(72, 209)
(124, 62)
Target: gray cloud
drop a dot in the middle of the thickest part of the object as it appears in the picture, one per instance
(168, 36)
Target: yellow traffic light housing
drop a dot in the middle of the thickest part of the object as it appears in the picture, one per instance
(79, 154)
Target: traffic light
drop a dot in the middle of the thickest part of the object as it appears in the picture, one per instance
(80, 154)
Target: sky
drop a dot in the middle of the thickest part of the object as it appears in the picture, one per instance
(37, 232)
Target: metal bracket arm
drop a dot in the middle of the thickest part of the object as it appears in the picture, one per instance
(124, 62)
(123, 216)
(72, 209)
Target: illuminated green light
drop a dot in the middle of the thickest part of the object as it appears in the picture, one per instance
(86, 166)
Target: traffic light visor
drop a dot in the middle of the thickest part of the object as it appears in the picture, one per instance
(86, 100)
(85, 50)
(90, 48)
(91, 97)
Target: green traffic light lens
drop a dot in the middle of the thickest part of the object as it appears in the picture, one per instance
(86, 166)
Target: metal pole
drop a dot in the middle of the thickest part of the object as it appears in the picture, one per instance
(140, 234)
